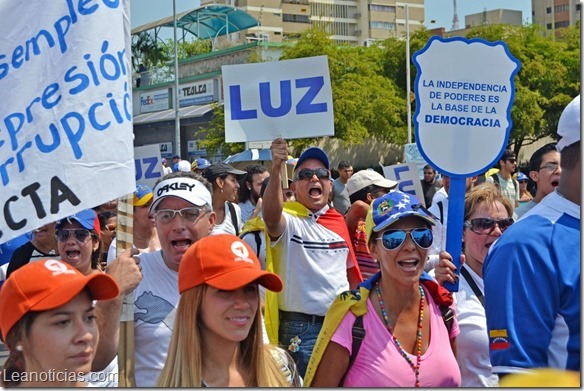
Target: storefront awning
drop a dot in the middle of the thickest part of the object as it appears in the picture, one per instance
(169, 115)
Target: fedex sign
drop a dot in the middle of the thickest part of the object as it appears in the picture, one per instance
(267, 100)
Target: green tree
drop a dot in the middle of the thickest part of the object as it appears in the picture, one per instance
(186, 49)
(145, 50)
(365, 103)
(548, 79)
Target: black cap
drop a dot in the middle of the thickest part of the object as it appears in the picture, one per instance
(218, 169)
(508, 154)
(176, 157)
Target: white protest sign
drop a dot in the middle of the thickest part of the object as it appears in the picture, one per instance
(148, 164)
(407, 177)
(464, 92)
(289, 99)
(66, 120)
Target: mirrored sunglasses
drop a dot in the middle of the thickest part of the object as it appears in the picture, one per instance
(307, 173)
(485, 226)
(392, 239)
(80, 234)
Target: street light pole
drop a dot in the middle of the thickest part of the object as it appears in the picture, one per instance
(408, 81)
(175, 95)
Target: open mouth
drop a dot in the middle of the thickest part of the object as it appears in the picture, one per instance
(409, 265)
(315, 192)
(72, 256)
(181, 244)
(555, 183)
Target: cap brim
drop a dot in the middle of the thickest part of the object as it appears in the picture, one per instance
(238, 278)
(238, 173)
(101, 287)
(386, 183)
(389, 222)
(74, 218)
(144, 200)
(197, 201)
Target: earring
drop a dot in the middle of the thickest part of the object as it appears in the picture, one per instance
(221, 190)
(19, 348)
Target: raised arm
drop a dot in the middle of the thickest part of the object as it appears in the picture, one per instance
(272, 201)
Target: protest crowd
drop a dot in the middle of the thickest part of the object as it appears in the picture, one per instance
(246, 278)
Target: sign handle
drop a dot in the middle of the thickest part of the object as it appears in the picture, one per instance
(455, 217)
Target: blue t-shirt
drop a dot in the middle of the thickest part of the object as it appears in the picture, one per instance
(532, 291)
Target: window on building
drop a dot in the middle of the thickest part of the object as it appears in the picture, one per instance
(549, 26)
(382, 25)
(382, 8)
(562, 24)
(578, 6)
(562, 8)
(295, 18)
(548, 10)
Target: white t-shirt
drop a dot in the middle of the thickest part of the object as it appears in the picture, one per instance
(155, 302)
(313, 263)
(473, 341)
(227, 227)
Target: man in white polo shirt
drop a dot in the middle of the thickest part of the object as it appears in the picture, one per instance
(310, 249)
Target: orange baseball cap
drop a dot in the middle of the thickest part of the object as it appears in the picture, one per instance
(224, 262)
(45, 285)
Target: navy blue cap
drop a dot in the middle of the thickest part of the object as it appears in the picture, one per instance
(313, 153)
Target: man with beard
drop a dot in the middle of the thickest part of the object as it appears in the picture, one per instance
(250, 201)
(310, 249)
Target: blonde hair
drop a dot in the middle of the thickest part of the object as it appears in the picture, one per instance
(184, 362)
(487, 193)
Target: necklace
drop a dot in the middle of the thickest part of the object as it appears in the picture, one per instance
(415, 367)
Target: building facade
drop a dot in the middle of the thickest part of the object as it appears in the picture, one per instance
(555, 14)
(358, 22)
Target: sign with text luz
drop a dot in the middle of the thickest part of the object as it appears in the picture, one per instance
(289, 99)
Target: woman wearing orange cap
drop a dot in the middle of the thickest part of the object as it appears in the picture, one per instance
(217, 336)
(47, 319)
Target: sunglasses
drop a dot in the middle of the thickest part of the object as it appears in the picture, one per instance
(191, 215)
(307, 173)
(523, 181)
(513, 161)
(392, 239)
(485, 226)
(80, 234)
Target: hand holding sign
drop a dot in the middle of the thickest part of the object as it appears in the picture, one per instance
(464, 92)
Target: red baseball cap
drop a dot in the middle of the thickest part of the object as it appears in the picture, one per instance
(45, 285)
(224, 262)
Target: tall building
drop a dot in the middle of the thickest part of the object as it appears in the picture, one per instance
(555, 14)
(358, 22)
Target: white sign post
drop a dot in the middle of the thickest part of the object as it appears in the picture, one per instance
(289, 99)
(464, 92)
(66, 120)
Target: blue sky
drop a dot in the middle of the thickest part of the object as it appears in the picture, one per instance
(145, 11)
